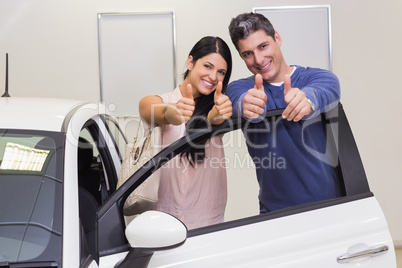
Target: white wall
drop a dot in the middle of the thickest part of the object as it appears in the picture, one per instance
(53, 51)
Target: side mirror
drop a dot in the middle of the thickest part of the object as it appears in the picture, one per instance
(149, 232)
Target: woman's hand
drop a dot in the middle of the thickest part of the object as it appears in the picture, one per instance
(181, 112)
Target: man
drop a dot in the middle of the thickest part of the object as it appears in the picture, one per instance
(291, 155)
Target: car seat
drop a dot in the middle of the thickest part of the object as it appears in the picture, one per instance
(89, 175)
(88, 180)
(88, 208)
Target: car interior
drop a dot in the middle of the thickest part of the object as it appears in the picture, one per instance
(89, 197)
(92, 188)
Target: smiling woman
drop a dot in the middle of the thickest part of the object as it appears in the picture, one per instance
(187, 190)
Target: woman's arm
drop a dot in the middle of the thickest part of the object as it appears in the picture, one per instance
(155, 111)
(152, 110)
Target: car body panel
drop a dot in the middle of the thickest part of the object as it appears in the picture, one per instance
(297, 240)
(36, 113)
(81, 116)
(310, 239)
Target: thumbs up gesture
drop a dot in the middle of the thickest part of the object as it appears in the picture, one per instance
(178, 113)
(254, 100)
(222, 109)
(296, 100)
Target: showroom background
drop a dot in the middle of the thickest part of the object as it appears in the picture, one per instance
(53, 52)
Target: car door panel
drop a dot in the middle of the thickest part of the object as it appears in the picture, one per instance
(309, 239)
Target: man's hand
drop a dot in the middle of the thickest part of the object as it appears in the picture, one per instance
(222, 109)
(296, 100)
(182, 111)
(254, 100)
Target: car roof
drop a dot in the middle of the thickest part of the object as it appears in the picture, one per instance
(36, 113)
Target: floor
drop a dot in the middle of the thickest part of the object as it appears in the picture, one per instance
(399, 257)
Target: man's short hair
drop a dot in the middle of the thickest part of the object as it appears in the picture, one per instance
(247, 23)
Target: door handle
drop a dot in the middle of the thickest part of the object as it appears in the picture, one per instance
(346, 258)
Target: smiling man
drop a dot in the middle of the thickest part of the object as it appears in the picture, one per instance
(308, 172)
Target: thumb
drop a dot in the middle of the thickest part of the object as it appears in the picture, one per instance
(287, 84)
(189, 92)
(258, 82)
(218, 91)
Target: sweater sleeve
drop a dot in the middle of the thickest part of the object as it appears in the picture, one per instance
(322, 88)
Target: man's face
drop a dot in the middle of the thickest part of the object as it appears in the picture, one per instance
(262, 54)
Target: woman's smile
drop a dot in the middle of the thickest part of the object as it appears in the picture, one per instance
(207, 84)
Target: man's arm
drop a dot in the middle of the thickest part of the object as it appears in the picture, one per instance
(323, 90)
(222, 108)
(320, 93)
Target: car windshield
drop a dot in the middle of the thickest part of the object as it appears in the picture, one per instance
(31, 176)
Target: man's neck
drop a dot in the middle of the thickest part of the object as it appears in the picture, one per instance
(291, 70)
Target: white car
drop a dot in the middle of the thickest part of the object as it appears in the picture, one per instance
(59, 207)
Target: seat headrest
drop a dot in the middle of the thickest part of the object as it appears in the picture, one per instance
(85, 154)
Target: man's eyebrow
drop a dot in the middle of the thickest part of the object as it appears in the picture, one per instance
(259, 45)
(263, 43)
(245, 51)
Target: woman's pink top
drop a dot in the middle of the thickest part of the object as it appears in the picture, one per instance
(195, 195)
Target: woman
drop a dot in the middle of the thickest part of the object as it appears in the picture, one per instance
(193, 186)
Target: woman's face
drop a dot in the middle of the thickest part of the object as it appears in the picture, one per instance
(205, 74)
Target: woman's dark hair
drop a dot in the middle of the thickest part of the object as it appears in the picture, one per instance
(204, 103)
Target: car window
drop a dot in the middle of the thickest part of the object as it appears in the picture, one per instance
(242, 179)
(243, 189)
(30, 195)
(119, 129)
(241, 168)
(91, 174)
